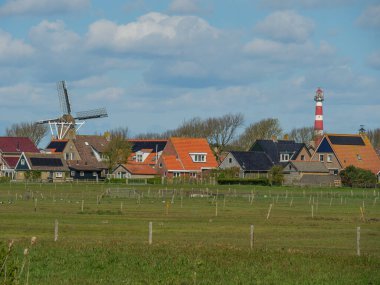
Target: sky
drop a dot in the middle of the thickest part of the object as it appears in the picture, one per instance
(155, 64)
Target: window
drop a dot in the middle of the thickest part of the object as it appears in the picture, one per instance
(284, 157)
(22, 161)
(81, 173)
(139, 158)
(176, 174)
(302, 157)
(193, 174)
(72, 173)
(58, 175)
(329, 158)
(94, 173)
(160, 165)
(230, 160)
(359, 157)
(321, 157)
(198, 157)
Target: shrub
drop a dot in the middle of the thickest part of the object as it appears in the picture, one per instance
(255, 181)
(357, 177)
(5, 179)
(276, 176)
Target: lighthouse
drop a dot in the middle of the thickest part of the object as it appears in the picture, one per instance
(318, 123)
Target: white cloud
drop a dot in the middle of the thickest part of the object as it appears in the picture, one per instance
(11, 96)
(286, 26)
(107, 94)
(54, 36)
(370, 17)
(153, 33)
(12, 49)
(41, 7)
(281, 4)
(184, 6)
(298, 53)
(373, 60)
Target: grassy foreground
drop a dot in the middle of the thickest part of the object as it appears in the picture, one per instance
(196, 240)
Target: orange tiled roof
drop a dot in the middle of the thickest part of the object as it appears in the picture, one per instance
(184, 147)
(362, 156)
(141, 169)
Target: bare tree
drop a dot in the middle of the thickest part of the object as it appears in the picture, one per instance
(374, 137)
(302, 135)
(118, 148)
(264, 129)
(150, 136)
(35, 132)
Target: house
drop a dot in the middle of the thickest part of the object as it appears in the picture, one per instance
(309, 173)
(146, 152)
(337, 151)
(186, 157)
(282, 151)
(134, 171)
(10, 150)
(41, 166)
(84, 155)
(252, 164)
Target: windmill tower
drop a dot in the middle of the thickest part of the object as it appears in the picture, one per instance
(67, 125)
(318, 123)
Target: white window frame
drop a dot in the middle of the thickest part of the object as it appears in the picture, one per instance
(284, 157)
(139, 157)
(176, 174)
(72, 173)
(22, 162)
(302, 157)
(322, 157)
(329, 157)
(198, 157)
(81, 174)
(58, 174)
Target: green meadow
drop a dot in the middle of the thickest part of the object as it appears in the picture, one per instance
(200, 234)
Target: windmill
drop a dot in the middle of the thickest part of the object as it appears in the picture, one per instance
(67, 124)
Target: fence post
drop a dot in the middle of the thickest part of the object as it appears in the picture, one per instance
(252, 236)
(56, 230)
(358, 241)
(150, 232)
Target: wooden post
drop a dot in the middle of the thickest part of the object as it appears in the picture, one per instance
(216, 208)
(331, 201)
(362, 214)
(269, 210)
(312, 211)
(181, 201)
(150, 232)
(224, 201)
(358, 241)
(56, 230)
(82, 206)
(252, 236)
(35, 204)
(121, 206)
(291, 202)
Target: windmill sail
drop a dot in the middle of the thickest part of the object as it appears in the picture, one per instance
(63, 98)
(91, 114)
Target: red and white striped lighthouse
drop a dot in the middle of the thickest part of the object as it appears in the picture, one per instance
(318, 123)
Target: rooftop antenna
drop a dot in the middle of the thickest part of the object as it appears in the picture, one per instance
(67, 125)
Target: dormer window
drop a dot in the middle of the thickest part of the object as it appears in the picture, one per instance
(198, 157)
(284, 157)
(139, 158)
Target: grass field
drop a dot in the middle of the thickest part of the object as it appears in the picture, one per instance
(200, 235)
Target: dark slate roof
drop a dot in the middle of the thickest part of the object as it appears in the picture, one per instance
(58, 146)
(46, 161)
(274, 148)
(158, 145)
(253, 160)
(17, 145)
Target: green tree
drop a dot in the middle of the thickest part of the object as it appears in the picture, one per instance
(276, 176)
(358, 177)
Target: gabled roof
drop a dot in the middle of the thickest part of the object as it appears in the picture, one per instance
(11, 161)
(183, 148)
(154, 145)
(140, 169)
(57, 145)
(274, 148)
(253, 160)
(352, 149)
(45, 161)
(309, 166)
(85, 146)
(17, 145)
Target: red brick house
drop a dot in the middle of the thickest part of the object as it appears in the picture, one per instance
(186, 157)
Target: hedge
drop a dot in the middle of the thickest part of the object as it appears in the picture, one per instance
(256, 181)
